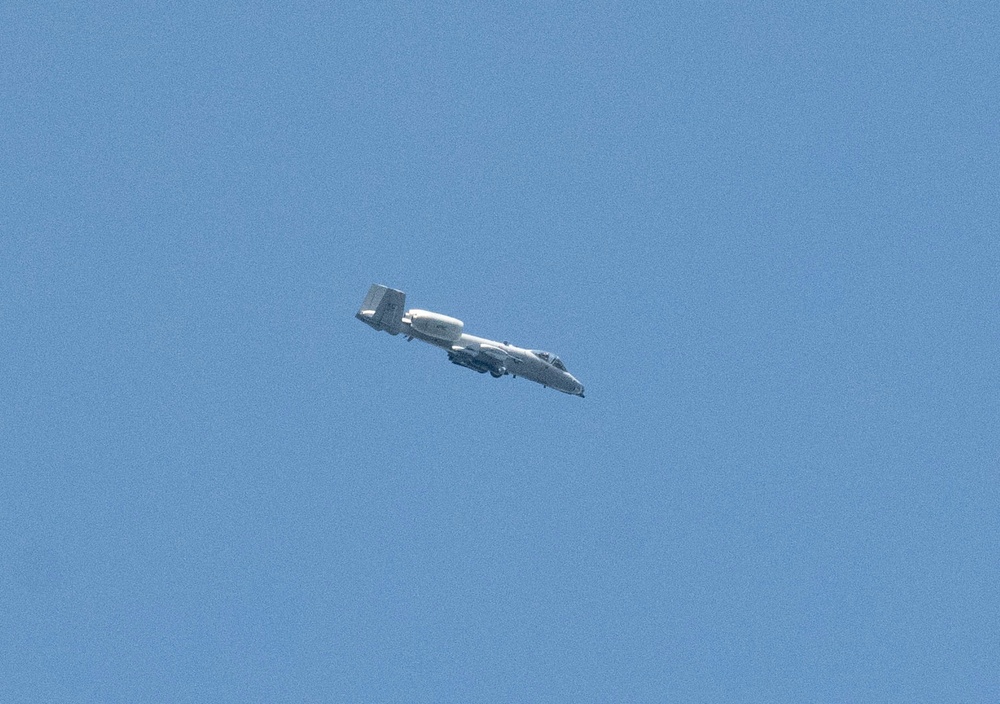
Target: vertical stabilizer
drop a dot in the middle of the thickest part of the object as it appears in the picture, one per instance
(383, 309)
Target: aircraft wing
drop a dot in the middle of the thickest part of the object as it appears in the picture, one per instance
(383, 309)
(481, 358)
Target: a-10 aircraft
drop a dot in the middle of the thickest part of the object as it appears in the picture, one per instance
(383, 309)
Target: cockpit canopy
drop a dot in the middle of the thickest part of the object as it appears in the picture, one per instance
(550, 358)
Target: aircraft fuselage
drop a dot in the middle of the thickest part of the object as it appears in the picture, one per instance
(382, 310)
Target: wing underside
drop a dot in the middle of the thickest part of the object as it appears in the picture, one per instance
(480, 358)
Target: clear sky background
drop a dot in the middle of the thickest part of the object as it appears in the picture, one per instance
(764, 235)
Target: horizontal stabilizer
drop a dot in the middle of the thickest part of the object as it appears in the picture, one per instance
(383, 309)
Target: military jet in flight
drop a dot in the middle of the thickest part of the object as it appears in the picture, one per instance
(383, 309)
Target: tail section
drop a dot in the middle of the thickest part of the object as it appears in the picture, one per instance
(383, 309)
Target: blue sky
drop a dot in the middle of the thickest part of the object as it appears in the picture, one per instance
(763, 235)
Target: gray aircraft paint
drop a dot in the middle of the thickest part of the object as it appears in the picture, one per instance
(384, 309)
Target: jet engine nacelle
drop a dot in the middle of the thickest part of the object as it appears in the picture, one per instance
(441, 327)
